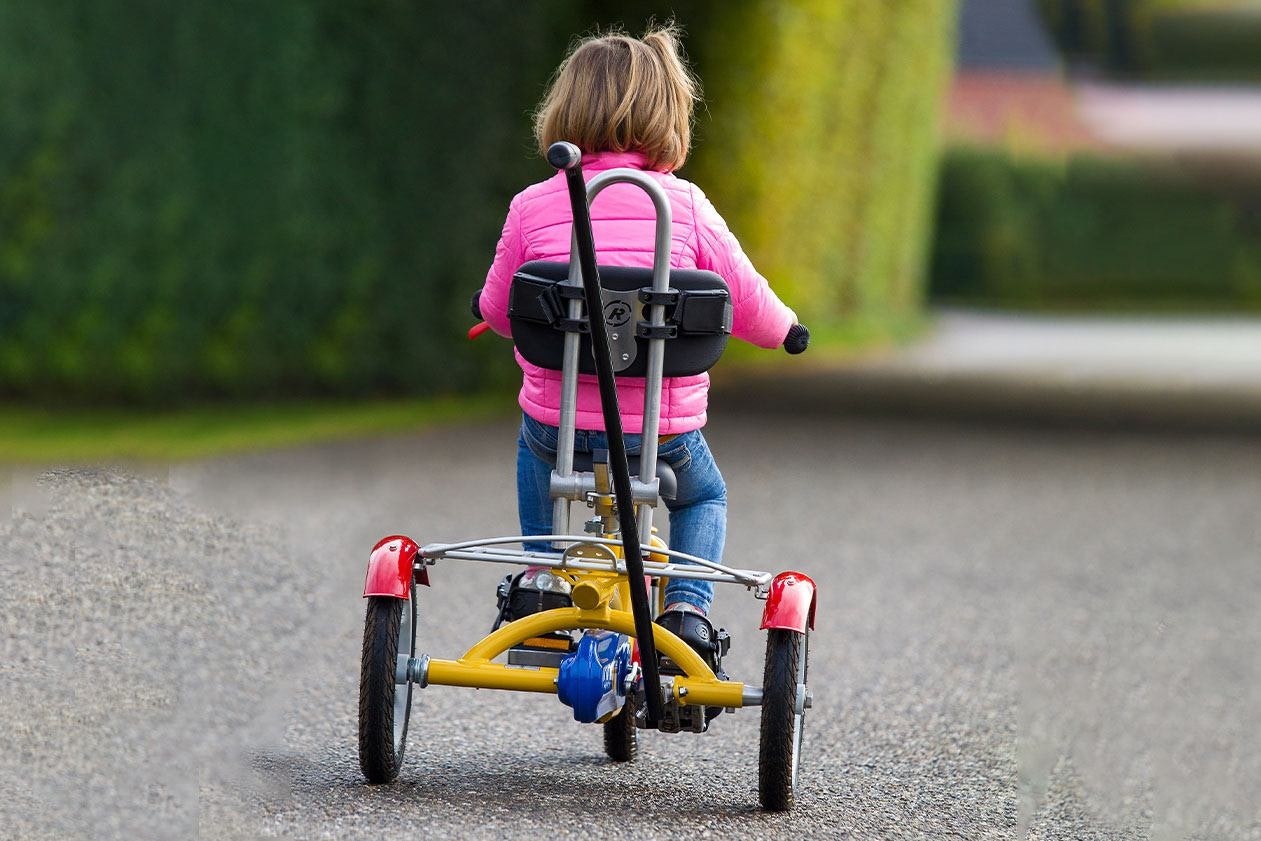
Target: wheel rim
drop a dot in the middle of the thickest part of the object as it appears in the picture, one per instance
(403, 688)
(799, 708)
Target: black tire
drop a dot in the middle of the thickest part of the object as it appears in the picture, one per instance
(621, 736)
(787, 653)
(382, 702)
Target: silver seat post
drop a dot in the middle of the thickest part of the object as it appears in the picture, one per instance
(568, 400)
(656, 318)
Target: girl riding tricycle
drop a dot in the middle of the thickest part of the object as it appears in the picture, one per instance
(607, 616)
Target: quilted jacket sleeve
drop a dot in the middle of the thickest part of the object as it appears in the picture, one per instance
(509, 254)
(759, 317)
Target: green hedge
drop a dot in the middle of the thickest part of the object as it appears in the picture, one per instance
(221, 199)
(822, 150)
(1094, 233)
(244, 199)
(1183, 40)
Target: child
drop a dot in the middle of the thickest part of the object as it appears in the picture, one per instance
(628, 102)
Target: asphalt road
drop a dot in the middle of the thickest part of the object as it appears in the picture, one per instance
(1022, 633)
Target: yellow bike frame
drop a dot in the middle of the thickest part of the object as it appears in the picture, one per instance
(597, 598)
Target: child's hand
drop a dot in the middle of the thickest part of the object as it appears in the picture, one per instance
(798, 339)
(476, 305)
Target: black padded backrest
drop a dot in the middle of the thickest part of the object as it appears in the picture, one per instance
(702, 321)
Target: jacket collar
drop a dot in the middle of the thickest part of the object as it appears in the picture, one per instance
(611, 160)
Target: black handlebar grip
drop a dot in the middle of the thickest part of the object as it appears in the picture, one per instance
(797, 340)
(475, 305)
(564, 155)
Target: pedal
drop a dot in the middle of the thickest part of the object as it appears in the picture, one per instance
(699, 633)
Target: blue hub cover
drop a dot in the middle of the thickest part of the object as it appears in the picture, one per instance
(593, 679)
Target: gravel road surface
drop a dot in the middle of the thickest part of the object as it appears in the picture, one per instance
(1022, 634)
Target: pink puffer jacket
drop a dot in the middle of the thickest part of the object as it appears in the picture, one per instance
(539, 227)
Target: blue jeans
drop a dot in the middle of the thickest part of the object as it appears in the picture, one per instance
(698, 514)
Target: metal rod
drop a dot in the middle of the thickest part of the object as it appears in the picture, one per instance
(434, 551)
(656, 318)
(652, 569)
(568, 402)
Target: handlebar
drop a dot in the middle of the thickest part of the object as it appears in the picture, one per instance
(797, 340)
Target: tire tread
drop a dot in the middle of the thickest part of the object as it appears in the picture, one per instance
(376, 690)
(779, 696)
(621, 737)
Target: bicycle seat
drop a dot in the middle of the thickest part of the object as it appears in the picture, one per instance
(585, 463)
(698, 318)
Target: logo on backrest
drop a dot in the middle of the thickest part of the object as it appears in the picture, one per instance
(616, 313)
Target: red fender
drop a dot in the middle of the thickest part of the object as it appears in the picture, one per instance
(790, 604)
(390, 568)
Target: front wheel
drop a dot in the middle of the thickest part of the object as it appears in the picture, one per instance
(783, 717)
(385, 686)
(621, 737)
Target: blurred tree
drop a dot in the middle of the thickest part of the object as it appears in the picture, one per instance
(233, 199)
(822, 147)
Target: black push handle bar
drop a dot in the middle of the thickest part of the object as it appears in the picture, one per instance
(568, 158)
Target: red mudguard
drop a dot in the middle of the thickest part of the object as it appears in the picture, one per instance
(390, 568)
(790, 604)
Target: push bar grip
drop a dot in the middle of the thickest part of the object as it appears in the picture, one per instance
(797, 340)
(564, 155)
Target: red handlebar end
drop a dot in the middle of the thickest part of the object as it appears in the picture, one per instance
(478, 329)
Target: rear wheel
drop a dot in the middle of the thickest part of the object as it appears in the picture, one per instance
(621, 737)
(385, 686)
(783, 718)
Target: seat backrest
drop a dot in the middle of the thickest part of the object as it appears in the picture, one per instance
(698, 318)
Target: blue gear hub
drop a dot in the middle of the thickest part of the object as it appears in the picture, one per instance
(592, 680)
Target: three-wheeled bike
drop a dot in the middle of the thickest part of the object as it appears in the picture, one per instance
(579, 622)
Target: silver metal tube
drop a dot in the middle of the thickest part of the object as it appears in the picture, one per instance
(656, 317)
(577, 486)
(435, 551)
(751, 696)
(568, 399)
(654, 569)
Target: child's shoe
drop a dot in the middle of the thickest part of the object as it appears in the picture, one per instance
(687, 623)
(692, 626)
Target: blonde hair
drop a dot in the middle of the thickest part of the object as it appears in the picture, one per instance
(616, 93)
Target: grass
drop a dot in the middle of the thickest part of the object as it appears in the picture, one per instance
(35, 435)
(78, 436)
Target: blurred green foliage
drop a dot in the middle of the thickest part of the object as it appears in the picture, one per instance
(1184, 40)
(246, 200)
(1095, 233)
(241, 199)
(822, 151)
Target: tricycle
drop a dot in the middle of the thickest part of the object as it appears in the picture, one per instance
(579, 621)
